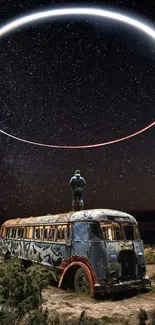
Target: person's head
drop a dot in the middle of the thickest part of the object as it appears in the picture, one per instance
(77, 172)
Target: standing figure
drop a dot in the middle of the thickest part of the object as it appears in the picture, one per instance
(77, 184)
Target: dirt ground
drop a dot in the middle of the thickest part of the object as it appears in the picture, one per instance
(70, 305)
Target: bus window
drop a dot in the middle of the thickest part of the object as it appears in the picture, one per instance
(95, 231)
(61, 233)
(14, 232)
(107, 230)
(7, 232)
(49, 232)
(117, 232)
(3, 232)
(111, 231)
(20, 233)
(46, 233)
(129, 231)
(80, 232)
(52, 233)
(28, 233)
(38, 233)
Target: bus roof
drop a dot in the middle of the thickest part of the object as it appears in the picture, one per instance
(93, 214)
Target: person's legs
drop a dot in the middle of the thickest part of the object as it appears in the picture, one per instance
(73, 201)
(81, 203)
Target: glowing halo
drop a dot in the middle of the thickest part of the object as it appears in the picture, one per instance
(78, 11)
(84, 146)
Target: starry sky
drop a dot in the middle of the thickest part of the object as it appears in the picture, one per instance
(70, 82)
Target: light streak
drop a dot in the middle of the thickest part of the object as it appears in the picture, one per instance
(70, 12)
(81, 146)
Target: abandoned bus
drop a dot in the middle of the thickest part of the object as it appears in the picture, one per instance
(93, 251)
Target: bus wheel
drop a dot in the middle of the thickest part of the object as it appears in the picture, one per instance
(81, 282)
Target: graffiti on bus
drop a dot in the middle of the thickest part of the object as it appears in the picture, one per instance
(39, 252)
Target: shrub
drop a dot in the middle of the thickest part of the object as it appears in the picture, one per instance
(142, 316)
(152, 276)
(150, 255)
(20, 288)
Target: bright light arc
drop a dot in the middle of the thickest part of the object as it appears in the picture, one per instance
(78, 11)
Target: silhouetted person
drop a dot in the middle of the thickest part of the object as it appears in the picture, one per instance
(77, 184)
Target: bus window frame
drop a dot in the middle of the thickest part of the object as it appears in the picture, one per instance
(136, 234)
(14, 232)
(41, 236)
(25, 232)
(45, 239)
(100, 232)
(21, 228)
(61, 241)
(112, 225)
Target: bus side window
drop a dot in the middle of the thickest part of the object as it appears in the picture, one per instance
(61, 233)
(28, 234)
(38, 233)
(58, 234)
(20, 233)
(117, 233)
(7, 232)
(95, 231)
(4, 232)
(107, 232)
(65, 233)
(35, 233)
(14, 232)
(52, 233)
(10, 233)
(48, 233)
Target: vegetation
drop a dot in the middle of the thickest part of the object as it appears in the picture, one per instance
(152, 276)
(149, 255)
(21, 299)
(142, 316)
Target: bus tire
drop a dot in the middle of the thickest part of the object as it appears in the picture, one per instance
(81, 282)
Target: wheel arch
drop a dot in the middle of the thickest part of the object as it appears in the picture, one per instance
(71, 270)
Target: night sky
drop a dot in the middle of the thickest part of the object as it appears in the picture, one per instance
(76, 81)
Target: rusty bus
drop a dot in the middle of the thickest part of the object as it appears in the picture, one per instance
(92, 251)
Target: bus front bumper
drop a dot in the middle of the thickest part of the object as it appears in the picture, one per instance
(122, 286)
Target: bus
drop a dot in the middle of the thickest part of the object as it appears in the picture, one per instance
(91, 251)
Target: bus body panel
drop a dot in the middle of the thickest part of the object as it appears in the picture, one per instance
(114, 264)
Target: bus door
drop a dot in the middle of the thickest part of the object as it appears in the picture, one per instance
(112, 233)
(97, 250)
(80, 239)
